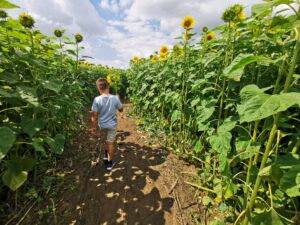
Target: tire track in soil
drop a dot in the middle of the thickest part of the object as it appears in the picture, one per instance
(135, 192)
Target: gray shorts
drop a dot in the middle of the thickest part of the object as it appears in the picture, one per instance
(108, 134)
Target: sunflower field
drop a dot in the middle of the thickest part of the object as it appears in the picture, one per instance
(228, 98)
(45, 86)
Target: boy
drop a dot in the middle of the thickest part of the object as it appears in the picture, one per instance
(104, 111)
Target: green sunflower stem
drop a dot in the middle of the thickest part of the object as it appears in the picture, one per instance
(214, 166)
(163, 99)
(257, 122)
(186, 89)
(183, 76)
(250, 163)
(222, 102)
(32, 42)
(7, 37)
(226, 62)
(279, 78)
(272, 135)
(217, 78)
(61, 56)
(77, 56)
(295, 148)
(227, 95)
(262, 166)
(289, 77)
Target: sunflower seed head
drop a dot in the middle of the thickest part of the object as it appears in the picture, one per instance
(3, 14)
(78, 38)
(58, 33)
(233, 13)
(26, 20)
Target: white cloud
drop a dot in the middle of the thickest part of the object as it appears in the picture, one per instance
(75, 16)
(171, 12)
(125, 3)
(133, 27)
(112, 5)
(142, 38)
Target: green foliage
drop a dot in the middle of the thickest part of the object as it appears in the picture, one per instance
(232, 103)
(57, 143)
(290, 182)
(236, 69)
(270, 217)
(257, 105)
(43, 91)
(17, 171)
(7, 140)
(7, 5)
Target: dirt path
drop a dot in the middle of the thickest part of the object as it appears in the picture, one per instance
(135, 192)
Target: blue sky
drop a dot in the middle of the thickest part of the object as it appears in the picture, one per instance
(116, 30)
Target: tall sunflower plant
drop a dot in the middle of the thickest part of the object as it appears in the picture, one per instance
(231, 104)
(43, 93)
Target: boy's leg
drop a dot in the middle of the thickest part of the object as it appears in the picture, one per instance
(111, 136)
(103, 145)
(105, 152)
(110, 150)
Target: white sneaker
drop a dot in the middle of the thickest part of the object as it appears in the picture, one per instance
(110, 165)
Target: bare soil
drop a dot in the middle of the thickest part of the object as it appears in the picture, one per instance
(146, 185)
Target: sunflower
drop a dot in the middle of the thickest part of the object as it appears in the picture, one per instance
(78, 38)
(188, 22)
(58, 33)
(164, 49)
(108, 78)
(26, 20)
(234, 13)
(209, 36)
(205, 29)
(154, 58)
(135, 59)
(242, 15)
(3, 14)
(162, 57)
(238, 8)
(228, 15)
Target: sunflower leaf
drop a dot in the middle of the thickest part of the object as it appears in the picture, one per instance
(7, 5)
(7, 140)
(257, 105)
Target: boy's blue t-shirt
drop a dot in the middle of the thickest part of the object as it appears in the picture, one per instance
(106, 106)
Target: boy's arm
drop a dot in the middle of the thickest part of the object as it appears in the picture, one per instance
(119, 104)
(94, 118)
